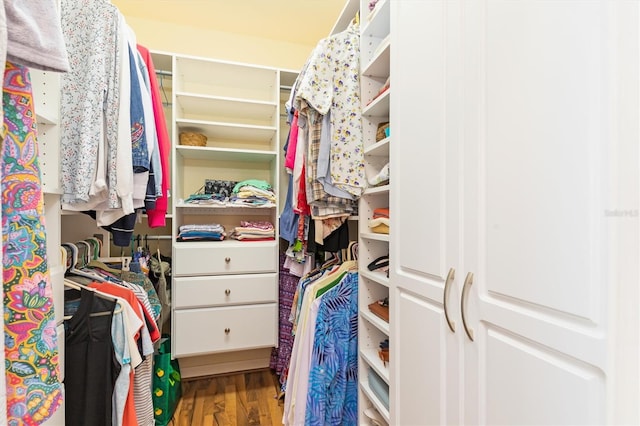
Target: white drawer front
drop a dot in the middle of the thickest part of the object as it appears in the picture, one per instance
(195, 292)
(201, 331)
(222, 258)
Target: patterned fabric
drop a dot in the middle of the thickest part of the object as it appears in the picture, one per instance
(143, 281)
(90, 99)
(332, 397)
(281, 355)
(31, 348)
(332, 81)
(315, 192)
(142, 384)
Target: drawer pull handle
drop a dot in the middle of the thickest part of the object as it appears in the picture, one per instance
(227, 259)
(447, 286)
(227, 330)
(227, 292)
(465, 288)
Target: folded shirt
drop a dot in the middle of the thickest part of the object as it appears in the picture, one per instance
(379, 225)
(381, 212)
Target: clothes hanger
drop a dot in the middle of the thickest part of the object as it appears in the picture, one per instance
(165, 98)
(73, 268)
(101, 265)
(76, 286)
(335, 277)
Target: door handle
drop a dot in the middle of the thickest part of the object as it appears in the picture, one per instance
(467, 283)
(447, 284)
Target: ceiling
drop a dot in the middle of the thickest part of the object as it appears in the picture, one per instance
(301, 22)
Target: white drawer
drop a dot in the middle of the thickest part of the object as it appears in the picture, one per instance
(224, 257)
(210, 330)
(195, 292)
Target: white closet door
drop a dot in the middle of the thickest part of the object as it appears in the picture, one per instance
(425, 352)
(540, 126)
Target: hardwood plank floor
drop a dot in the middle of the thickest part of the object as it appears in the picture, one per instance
(242, 399)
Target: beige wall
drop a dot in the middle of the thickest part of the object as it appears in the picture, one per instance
(174, 38)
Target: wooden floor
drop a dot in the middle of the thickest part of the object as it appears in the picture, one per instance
(248, 398)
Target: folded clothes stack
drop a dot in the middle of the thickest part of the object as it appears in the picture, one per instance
(380, 222)
(254, 231)
(210, 232)
(253, 193)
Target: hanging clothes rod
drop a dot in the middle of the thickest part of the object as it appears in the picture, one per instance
(148, 237)
(163, 72)
(286, 88)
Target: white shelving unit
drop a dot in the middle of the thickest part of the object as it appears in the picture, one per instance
(218, 284)
(375, 51)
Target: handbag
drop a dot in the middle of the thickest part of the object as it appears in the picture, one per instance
(167, 383)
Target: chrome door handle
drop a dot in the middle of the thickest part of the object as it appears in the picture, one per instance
(447, 284)
(467, 283)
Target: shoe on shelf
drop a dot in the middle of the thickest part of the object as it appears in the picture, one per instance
(374, 417)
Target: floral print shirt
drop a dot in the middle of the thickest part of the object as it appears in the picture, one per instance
(90, 98)
(331, 81)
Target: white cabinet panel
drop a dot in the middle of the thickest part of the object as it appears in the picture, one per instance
(203, 258)
(210, 330)
(423, 342)
(521, 377)
(425, 243)
(536, 122)
(515, 119)
(542, 119)
(193, 292)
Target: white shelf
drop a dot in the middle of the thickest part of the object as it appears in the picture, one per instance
(378, 24)
(378, 149)
(44, 118)
(224, 243)
(379, 64)
(53, 191)
(231, 109)
(346, 16)
(228, 131)
(374, 236)
(377, 190)
(366, 389)
(370, 356)
(379, 107)
(218, 78)
(376, 321)
(196, 209)
(378, 277)
(225, 154)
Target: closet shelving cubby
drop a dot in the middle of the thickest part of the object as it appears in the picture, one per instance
(218, 284)
(374, 285)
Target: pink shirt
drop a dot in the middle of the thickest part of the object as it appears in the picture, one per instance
(157, 216)
(293, 143)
